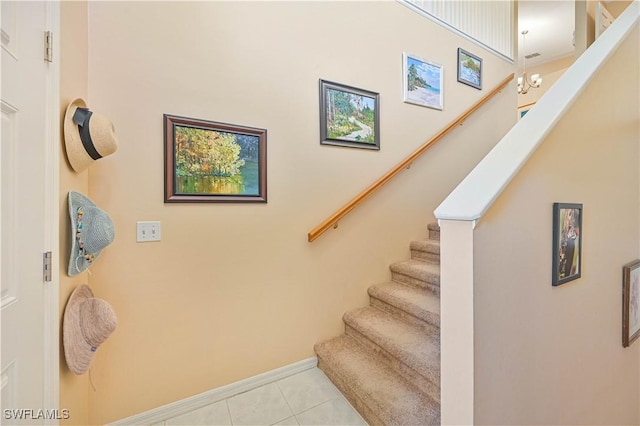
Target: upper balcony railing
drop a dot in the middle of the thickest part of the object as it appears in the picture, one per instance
(332, 221)
(491, 24)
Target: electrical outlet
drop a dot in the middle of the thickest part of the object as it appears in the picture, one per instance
(148, 231)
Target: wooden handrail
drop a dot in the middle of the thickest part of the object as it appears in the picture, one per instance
(333, 220)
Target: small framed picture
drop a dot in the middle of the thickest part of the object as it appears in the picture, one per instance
(349, 116)
(422, 82)
(469, 69)
(630, 302)
(567, 242)
(524, 109)
(211, 162)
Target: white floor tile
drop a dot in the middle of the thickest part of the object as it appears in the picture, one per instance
(214, 414)
(291, 421)
(262, 406)
(307, 389)
(334, 412)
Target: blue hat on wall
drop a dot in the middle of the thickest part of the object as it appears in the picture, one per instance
(91, 231)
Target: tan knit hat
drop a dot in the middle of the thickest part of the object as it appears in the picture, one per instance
(87, 323)
(88, 136)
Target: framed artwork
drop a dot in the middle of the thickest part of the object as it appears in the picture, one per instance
(567, 242)
(210, 162)
(349, 116)
(630, 302)
(469, 69)
(422, 82)
(524, 109)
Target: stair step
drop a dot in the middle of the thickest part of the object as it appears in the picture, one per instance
(413, 351)
(427, 250)
(417, 273)
(380, 395)
(412, 304)
(434, 231)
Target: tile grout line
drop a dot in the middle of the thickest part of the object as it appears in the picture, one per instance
(226, 403)
(286, 402)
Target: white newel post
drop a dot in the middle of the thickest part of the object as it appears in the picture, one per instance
(456, 322)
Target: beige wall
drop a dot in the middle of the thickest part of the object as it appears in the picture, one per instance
(548, 355)
(73, 84)
(234, 290)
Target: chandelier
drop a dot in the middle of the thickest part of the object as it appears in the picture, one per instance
(525, 82)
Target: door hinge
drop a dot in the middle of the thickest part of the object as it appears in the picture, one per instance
(46, 267)
(48, 46)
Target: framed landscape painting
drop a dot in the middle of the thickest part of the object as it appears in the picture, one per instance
(469, 69)
(349, 116)
(211, 162)
(422, 82)
(567, 242)
(524, 109)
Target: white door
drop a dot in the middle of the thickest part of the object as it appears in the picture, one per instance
(26, 190)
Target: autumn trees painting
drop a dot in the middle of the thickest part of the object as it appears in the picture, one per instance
(208, 161)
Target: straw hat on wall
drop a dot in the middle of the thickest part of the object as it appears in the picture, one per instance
(88, 136)
(87, 323)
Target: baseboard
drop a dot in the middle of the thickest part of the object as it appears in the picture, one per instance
(186, 405)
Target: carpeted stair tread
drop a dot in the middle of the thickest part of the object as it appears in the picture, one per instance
(380, 395)
(403, 300)
(427, 250)
(417, 347)
(434, 231)
(429, 246)
(416, 272)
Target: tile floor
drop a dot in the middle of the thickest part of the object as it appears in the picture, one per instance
(306, 398)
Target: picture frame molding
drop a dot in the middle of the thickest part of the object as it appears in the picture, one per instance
(172, 196)
(461, 79)
(405, 81)
(556, 280)
(627, 270)
(324, 85)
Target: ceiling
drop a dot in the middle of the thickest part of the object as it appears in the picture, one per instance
(551, 24)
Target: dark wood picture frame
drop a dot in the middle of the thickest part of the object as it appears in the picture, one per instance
(567, 242)
(469, 69)
(630, 302)
(349, 116)
(211, 162)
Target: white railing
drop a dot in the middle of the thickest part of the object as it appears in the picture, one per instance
(490, 24)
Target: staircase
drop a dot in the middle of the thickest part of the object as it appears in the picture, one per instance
(387, 363)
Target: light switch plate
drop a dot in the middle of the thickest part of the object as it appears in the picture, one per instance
(148, 231)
